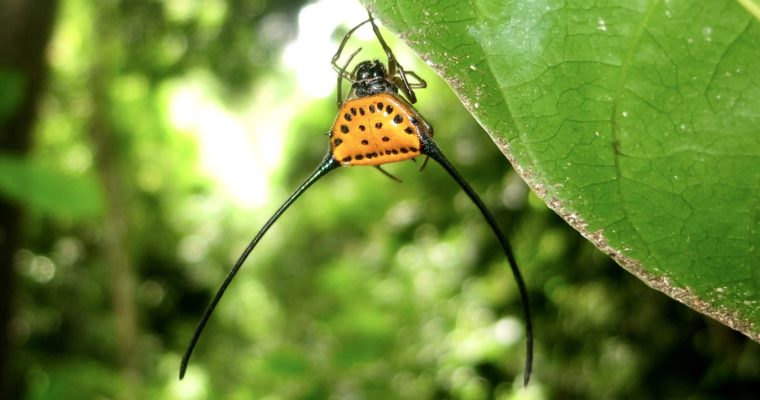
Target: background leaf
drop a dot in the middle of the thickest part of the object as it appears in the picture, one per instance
(635, 121)
(49, 191)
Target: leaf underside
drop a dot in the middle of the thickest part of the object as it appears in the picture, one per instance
(636, 121)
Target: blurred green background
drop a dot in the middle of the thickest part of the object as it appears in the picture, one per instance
(166, 133)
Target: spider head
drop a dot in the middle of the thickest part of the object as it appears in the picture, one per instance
(369, 71)
(370, 77)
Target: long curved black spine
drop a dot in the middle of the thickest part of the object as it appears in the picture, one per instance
(431, 149)
(327, 165)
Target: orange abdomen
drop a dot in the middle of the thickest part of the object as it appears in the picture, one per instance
(376, 130)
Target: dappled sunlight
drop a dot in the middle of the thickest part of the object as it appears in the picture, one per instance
(308, 57)
(226, 150)
(193, 387)
(242, 149)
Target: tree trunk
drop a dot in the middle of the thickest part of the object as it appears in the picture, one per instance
(25, 29)
(110, 168)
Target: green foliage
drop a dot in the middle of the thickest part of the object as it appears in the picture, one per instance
(12, 85)
(49, 191)
(77, 379)
(636, 121)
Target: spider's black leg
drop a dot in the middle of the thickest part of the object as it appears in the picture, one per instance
(327, 165)
(407, 87)
(341, 70)
(343, 44)
(392, 63)
(420, 84)
(388, 174)
(341, 76)
(424, 163)
(432, 150)
(394, 68)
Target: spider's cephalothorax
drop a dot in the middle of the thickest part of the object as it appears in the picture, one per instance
(377, 125)
(370, 78)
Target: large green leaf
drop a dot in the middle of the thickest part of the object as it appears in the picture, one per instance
(637, 121)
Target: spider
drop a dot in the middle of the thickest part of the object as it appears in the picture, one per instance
(377, 124)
